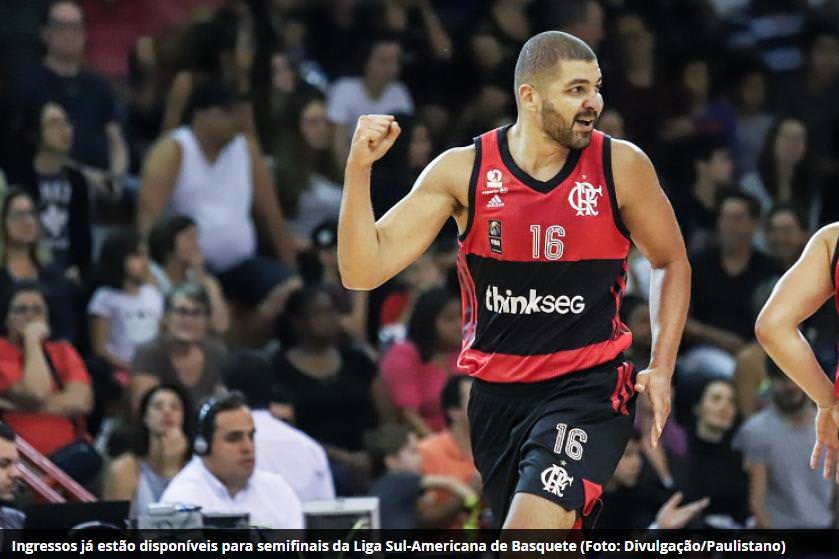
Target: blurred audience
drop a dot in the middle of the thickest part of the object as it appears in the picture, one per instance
(405, 499)
(784, 493)
(60, 192)
(161, 445)
(98, 141)
(45, 388)
(336, 393)
(280, 448)
(177, 257)
(416, 370)
(182, 353)
(222, 477)
(125, 309)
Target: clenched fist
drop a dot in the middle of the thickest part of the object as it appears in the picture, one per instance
(373, 137)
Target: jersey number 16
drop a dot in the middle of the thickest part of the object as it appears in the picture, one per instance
(553, 245)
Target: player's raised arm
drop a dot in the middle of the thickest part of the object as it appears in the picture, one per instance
(649, 217)
(370, 252)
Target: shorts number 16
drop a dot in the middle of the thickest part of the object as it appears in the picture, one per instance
(573, 445)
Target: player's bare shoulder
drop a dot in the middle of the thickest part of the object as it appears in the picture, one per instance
(633, 172)
(450, 172)
(827, 237)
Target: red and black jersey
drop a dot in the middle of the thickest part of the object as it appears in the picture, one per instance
(542, 265)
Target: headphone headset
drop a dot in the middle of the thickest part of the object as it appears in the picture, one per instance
(206, 419)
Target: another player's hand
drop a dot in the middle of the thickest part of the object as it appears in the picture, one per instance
(827, 441)
(655, 383)
(373, 137)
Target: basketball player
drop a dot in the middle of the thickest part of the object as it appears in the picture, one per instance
(811, 281)
(546, 209)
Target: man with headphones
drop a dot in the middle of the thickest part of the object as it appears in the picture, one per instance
(221, 478)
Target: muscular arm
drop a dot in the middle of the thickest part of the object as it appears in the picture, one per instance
(160, 171)
(649, 217)
(371, 252)
(799, 293)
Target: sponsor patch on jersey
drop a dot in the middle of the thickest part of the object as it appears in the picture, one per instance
(494, 233)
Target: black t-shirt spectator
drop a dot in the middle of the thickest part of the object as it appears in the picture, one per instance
(725, 301)
(715, 470)
(335, 411)
(64, 209)
(89, 103)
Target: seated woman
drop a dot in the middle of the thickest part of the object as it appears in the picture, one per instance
(161, 446)
(22, 257)
(44, 385)
(177, 257)
(335, 390)
(416, 370)
(715, 469)
(182, 354)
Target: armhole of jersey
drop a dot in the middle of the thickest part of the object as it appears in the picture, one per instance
(473, 185)
(610, 186)
(833, 261)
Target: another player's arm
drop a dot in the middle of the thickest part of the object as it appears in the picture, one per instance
(649, 217)
(797, 295)
(371, 252)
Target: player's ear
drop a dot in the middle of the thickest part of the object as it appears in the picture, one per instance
(529, 98)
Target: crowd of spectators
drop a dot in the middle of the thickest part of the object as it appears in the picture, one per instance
(171, 178)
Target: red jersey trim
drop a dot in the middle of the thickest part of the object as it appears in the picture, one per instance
(499, 367)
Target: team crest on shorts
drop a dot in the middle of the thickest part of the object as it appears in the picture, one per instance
(495, 236)
(555, 480)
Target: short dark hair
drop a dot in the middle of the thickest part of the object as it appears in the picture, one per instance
(141, 435)
(208, 94)
(7, 433)
(115, 250)
(542, 52)
(385, 441)
(215, 405)
(422, 324)
(162, 236)
(450, 396)
(731, 194)
(249, 373)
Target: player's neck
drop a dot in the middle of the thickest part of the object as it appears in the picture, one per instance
(535, 152)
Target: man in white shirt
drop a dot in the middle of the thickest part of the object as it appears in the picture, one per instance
(221, 478)
(280, 448)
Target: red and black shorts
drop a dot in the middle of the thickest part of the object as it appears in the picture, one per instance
(560, 439)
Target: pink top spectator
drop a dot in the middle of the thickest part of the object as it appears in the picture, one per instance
(415, 385)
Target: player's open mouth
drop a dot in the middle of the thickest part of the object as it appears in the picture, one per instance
(587, 123)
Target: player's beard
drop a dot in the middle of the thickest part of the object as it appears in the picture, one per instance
(561, 131)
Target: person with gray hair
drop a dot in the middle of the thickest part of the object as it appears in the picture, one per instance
(547, 210)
